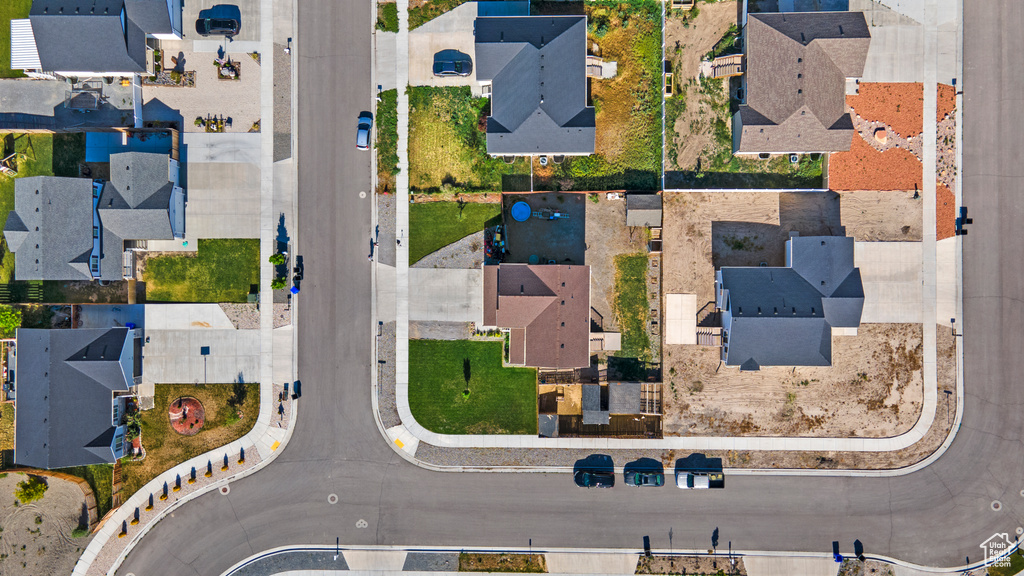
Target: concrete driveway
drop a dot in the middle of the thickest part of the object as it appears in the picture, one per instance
(222, 188)
(175, 338)
(896, 53)
(446, 295)
(248, 36)
(450, 31)
(891, 273)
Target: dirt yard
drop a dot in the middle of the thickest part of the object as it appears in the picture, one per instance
(690, 565)
(607, 237)
(714, 229)
(686, 43)
(872, 389)
(873, 216)
(36, 538)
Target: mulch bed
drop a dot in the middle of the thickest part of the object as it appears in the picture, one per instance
(946, 101)
(945, 212)
(864, 168)
(900, 105)
(187, 415)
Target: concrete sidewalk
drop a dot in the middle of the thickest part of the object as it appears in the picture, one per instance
(275, 363)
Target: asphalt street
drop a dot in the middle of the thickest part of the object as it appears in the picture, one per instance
(937, 516)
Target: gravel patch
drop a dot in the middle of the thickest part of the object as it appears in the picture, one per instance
(386, 405)
(294, 561)
(282, 314)
(431, 562)
(243, 316)
(114, 546)
(467, 253)
(440, 330)
(282, 103)
(283, 410)
(386, 229)
(524, 456)
(36, 537)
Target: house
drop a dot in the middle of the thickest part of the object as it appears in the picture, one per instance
(643, 210)
(787, 316)
(534, 68)
(84, 38)
(73, 386)
(798, 67)
(545, 309)
(81, 229)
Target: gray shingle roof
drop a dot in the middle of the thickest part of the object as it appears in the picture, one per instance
(624, 398)
(66, 381)
(797, 65)
(50, 228)
(784, 316)
(756, 342)
(89, 36)
(537, 67)
(55, 225)
(643, 210)
(593, 411)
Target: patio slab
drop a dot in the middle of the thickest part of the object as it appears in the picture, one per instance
(237, 100)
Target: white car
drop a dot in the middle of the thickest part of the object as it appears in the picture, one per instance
(699, 480)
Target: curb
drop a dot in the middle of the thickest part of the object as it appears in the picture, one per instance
(599, 551)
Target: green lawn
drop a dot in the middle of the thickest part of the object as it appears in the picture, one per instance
(10, 10)
(631, 306)
(434, 225)
(6, 428)
(100, 478)
(420, 15)
(448, 143)
(221, 271)
(166, 448)
(1015, 567)
(500, 400)
(387, 17)
(387, 139)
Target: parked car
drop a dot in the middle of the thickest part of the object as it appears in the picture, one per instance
(699, 480)
(452, 63)
(643, 479)
(363, 131)
(217, 27)
(594, 479)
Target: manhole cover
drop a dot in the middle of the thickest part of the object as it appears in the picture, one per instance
(997, 505)
(224, 490)
(1020, 530)
(362, 523)
(362, 194)
(332, 498)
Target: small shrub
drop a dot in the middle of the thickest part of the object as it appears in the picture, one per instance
(278, 283)
(39, 519)
(175, 76)
(79, 532)
(30, 490)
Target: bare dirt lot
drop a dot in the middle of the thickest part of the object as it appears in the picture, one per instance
(714, 229)
(607, 237)
(686, 42)
(36, 538)
(873, 389)
(874, 216)
(874, 386)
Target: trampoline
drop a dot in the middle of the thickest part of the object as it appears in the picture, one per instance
(521, 211)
